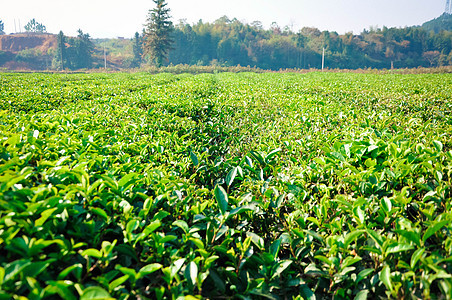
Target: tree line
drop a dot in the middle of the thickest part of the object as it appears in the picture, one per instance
(231, 42)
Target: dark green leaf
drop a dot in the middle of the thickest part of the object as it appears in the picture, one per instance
(194, 159)
(307, 293)
(280, 267)
(416, 256)
(432, 229)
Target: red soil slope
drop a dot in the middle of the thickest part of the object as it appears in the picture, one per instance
(22, 41)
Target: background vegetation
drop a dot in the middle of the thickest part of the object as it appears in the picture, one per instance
(230, 42)
(227, 42)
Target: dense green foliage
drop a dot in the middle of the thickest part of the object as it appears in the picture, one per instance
(443, 22)
(232, 42)
(134, 186)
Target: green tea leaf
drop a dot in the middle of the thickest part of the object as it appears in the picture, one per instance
(349, 260)
(44, 216)
(376, 237)
(438, 145)
(351, 236)
(249, 162)
(272, 154)
(257, 156)
(61, 288)
(117, 282)
(148, 269)
(100, 212)
(76, 268)
(359, 214)
(14, 268)
(152, 227)
(411, 236)
(92, 252)
(395, 248)
(324, 259)
(257, 240)
(362, 295)
(240, 209)
(363, 274)
(95, 293)
(386, 204)
(231, 176)
(194, 159)
(432, 229)
(307, 293)
(385, 277)
(416, 256)
(36, 268)
(191, 273)
(280, 267)
(222, 198)
(181, 224)
(274, 248)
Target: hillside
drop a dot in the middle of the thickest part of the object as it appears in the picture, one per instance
(24, 41)
(443, 22)
(27, 51)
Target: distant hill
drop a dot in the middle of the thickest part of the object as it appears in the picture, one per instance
(27, 51)
(24, 41)
(443, 22)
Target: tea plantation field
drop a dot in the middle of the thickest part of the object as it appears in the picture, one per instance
(219, 186)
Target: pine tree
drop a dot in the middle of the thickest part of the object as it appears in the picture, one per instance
(60, 60)
(84, 49)
(33, 26)
(157, 35)
(137, 49)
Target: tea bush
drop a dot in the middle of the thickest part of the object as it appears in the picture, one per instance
(278, 186)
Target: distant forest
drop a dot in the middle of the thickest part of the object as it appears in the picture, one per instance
(231, 42)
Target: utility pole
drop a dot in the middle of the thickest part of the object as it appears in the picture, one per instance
(323, 58)
(448, 9)
(105, 58)
(15, 29)
(61, 56)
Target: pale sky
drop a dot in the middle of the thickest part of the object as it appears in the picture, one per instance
(113, 18)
